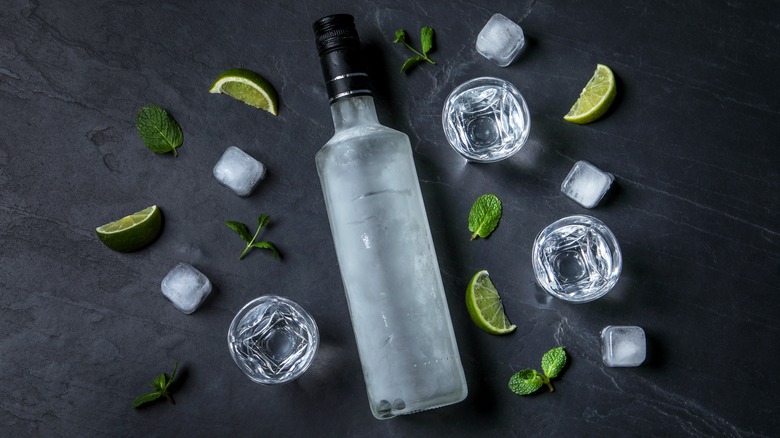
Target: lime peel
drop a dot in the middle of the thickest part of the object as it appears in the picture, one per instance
(595, 98)
(248, 87)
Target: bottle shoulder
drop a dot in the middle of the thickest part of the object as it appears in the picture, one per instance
(363, 131)
(373, 134)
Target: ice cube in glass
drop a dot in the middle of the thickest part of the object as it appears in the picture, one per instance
(586, 184)
(186, 287)
(501, 40)
(239, 171)
(623, 346)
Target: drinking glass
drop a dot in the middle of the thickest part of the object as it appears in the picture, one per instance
(273, 340)
(577, 259)
(486, 119)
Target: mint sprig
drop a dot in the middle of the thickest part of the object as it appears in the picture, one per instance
(244, 233)
(426, 41)
(528, 381)
(161, 384)
(158, 130)
(484, 216)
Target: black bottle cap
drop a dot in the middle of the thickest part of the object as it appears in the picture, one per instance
(335, 32)
(338, 46)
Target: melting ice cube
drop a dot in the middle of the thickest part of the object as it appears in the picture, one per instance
(238, 171)
(186, 287)
(586, 184)
(500, 40)
(623, 346)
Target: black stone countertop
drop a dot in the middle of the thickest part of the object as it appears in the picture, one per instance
(692, 140)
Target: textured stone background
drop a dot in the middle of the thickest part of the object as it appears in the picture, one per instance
(692, 141)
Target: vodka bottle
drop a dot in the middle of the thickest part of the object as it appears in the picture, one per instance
(383, 243)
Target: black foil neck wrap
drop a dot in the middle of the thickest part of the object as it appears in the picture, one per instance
(338, 46)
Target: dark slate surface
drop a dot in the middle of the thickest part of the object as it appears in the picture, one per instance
(692, 141)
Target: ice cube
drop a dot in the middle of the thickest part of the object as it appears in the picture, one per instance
(500, 40)
(186, 287)
(238, 171)
(623, 346)
(586, 184)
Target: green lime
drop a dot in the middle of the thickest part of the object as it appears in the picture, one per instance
(248, 87)
(132, 232)
(595, 98)
(484, 306)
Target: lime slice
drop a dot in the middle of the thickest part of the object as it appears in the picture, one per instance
(248, 87)
(484, 306)
(595, 98)
(132, 232)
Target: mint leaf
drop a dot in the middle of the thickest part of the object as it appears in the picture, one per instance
(158, 130)
(484, 216)
(400, 36)
(173, 375)
(426, 39)
(146, 398)
(241, 229)
(553, 362)
(411, 62)
(159, 381)
(525, 382)
(267, 245)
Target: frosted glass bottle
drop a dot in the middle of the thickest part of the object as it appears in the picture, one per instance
(383, 243)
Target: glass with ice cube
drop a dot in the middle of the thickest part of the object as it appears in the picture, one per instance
(623, 346)
(586, 184)
(501, 40)
(577, 259)
(273, 340)
(238, 171)
(186, 287)
(486, 119)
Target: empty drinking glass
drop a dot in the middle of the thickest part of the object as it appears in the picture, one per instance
(273, 340)
(486, 119)
(577, 259)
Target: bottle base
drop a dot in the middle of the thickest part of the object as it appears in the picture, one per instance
(386, 410)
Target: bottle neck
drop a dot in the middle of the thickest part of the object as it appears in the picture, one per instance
(338, 47)
(350, 112)
(345, 75)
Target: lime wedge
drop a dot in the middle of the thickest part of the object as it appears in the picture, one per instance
(248, 87)
(595, 98)
(133, 232)
(484, 306)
